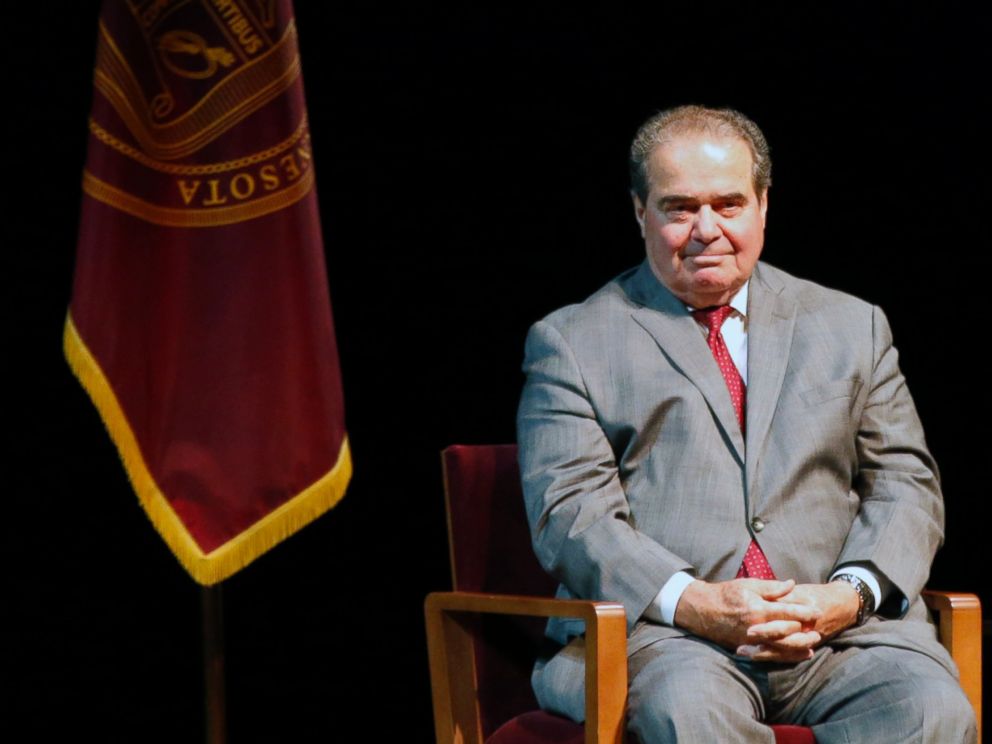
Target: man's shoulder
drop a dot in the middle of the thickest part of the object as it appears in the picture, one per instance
(811, 298)
(614, 299)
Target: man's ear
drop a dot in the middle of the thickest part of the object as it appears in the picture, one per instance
(763, 206)
(638, 211)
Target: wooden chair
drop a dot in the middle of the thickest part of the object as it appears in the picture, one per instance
(484, 636)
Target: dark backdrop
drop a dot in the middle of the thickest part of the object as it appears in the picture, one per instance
(471, 175)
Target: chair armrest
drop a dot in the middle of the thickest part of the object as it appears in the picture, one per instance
(959, 618)
(452, 661)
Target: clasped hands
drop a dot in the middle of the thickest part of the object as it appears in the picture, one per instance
(767, 620)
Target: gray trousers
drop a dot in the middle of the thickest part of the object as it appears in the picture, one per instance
(689, 690)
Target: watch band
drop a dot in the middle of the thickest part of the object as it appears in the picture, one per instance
(866, 600)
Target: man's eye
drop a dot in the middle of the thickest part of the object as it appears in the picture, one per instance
(728, 210)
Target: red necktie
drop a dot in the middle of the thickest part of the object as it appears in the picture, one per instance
(755, 564)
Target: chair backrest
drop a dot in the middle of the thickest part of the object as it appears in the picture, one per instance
(491, 552)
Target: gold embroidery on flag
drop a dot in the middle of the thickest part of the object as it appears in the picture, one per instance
(195, 217)
(241, 25)
(266, 10)
(183, 45)
(240, 92)
(198, 170)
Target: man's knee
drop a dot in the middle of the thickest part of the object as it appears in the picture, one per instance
(888, 694)
(559, 682)
(947, 712)
(682, 690)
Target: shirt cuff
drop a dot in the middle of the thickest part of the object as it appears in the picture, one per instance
(662, 607)
(873, 580)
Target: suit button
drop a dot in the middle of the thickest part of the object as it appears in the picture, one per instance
(757, 524)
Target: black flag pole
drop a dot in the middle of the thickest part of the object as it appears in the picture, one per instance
(213, 663)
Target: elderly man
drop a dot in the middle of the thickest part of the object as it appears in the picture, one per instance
(732, 453)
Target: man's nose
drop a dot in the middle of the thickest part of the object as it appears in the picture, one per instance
(705, 229)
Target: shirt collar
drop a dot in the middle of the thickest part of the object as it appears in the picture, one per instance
(739, 300)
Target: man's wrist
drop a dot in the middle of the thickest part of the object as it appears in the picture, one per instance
(671, 593)
(686, 614)
(662, 607)
(879, 585)
(866, 598)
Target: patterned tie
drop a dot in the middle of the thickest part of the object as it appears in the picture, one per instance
(755, 564)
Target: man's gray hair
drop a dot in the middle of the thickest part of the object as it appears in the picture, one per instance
(666, 125)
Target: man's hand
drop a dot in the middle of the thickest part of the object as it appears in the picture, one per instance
(740, 612)
(837, 606)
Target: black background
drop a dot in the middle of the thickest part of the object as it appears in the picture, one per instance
(471, 176)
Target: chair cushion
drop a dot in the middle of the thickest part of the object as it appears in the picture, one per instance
(793, 735)
(538, 727)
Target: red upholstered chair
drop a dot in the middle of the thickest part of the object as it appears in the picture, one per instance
(484, 636)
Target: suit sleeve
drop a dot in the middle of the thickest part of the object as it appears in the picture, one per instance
(579, 516)
(901, 520)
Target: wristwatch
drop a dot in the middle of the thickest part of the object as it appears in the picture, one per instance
(866, 600)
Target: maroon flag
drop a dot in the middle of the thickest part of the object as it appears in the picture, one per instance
(200, 322)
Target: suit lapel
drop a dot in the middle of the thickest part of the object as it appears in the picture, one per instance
(771, 322)
(678, 336)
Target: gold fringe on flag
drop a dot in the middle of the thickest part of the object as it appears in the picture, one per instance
(205, 568)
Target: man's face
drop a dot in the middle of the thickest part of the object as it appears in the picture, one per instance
(703, 225)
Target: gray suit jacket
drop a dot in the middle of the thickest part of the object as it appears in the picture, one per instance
(634, 467)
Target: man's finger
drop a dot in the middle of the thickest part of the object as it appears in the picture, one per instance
(795, 641)
(773, 630)
(789, 611)
(772, 589)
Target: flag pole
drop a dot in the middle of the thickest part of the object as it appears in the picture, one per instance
(213, 663)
